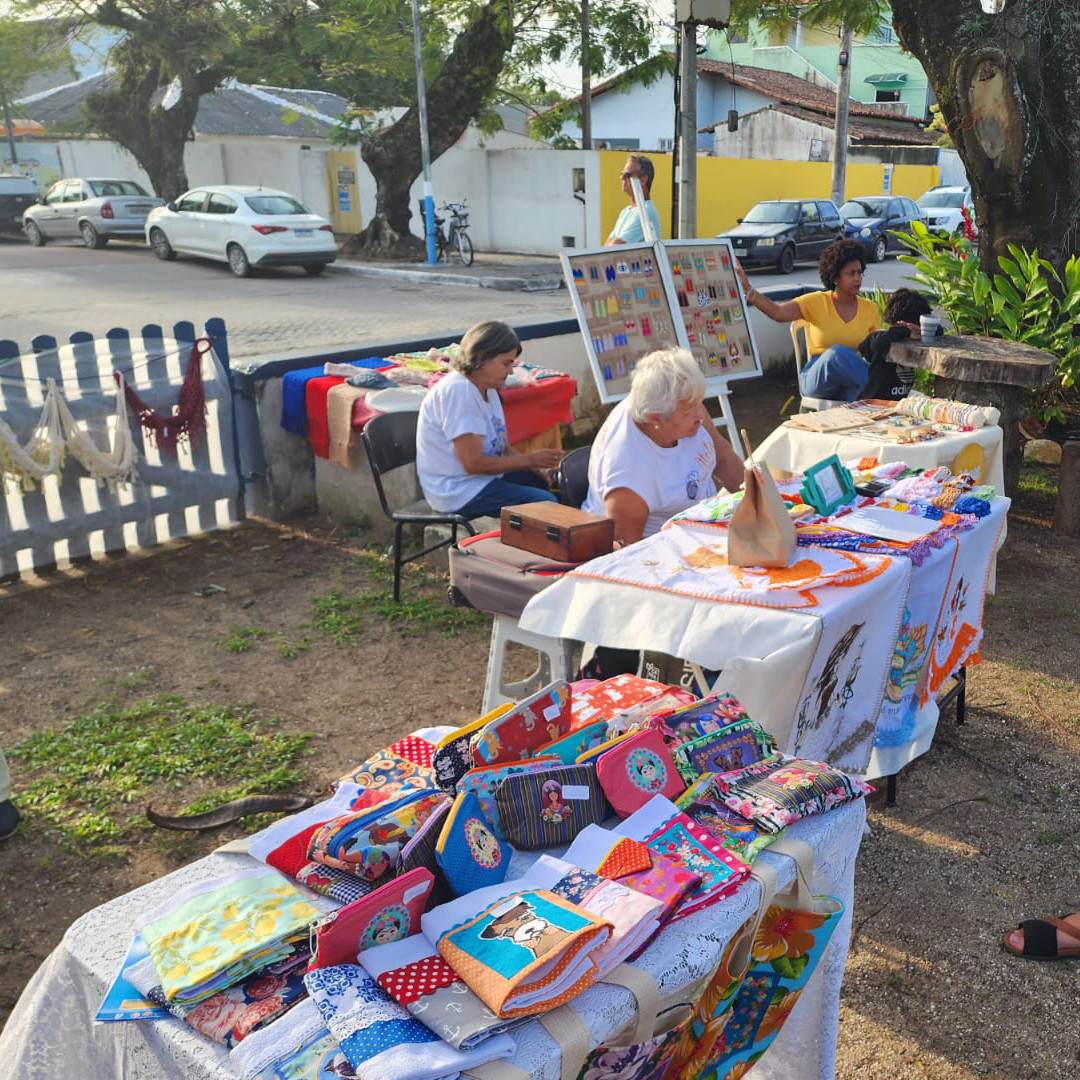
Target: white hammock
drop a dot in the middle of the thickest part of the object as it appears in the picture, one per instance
(118, 466)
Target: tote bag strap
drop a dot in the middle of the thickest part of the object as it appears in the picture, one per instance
(643, 986)
(569, 1031)
(801, 889)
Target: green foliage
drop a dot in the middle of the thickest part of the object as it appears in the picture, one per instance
(88, 780)
(1026, 300)
(938, 124)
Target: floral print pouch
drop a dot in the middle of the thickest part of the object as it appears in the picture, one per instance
(648, 1060)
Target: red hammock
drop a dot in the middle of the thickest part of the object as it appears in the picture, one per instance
(188, 420)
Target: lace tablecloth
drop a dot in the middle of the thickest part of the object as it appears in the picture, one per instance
(52, 1030)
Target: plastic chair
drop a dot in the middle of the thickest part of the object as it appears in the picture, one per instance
(802, 354)
(572, 477)
(390, 441)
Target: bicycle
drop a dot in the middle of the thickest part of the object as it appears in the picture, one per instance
(458, 236)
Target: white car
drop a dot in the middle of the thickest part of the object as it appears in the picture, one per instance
(94, 208)
(941, 207)
(243, 226)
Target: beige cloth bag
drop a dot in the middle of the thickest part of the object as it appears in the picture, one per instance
(760, 533)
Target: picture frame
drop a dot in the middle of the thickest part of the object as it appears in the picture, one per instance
(827, 485)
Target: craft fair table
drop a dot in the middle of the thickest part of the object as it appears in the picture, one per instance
(845, 674)
(52, 1031)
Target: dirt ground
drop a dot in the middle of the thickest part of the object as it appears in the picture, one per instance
(985, 833)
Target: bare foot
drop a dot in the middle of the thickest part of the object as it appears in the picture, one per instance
(1064, 941)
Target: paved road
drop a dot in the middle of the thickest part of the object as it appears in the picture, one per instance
(62, 288)
(65, 287)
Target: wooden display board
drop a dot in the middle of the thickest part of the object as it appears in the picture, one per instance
(631, 299)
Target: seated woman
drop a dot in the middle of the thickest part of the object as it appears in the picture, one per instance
(838, 320)
(463, 458)
(658, 451)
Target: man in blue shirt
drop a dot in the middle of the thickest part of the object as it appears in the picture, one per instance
(628, 228)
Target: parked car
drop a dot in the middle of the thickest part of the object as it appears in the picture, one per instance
(941, 206)
(243, 226)
(781, 231)
(16, 194)
(89, 207)
(872, 219)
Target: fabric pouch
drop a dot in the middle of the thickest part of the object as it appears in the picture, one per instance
(453, 758)
(782, 790)
(368, 842)
(390, 912)
(578, 741)
(703, 802)
(610, 697)
(468, 852)
(728, 749)
(521, 730)
(387, 774)
(484, 782)
(639, 716)
(548, 808)
(420, 852)
(710, 714)
(637, 768)
(598, 751)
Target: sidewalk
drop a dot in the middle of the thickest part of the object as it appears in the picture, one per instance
(510, 273)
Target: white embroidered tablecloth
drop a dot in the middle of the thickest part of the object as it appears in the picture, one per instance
(52, 1030)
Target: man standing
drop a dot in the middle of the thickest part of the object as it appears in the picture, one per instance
(628, 228)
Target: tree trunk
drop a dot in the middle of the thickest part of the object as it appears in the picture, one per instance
(454, 97)
(1009, 88)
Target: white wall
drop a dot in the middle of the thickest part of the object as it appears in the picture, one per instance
(768, 135)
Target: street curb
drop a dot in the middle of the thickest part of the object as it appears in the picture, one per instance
(504, 284)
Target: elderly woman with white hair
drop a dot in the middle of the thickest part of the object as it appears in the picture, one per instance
(658, 451)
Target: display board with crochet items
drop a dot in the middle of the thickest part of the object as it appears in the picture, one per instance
(445, 986)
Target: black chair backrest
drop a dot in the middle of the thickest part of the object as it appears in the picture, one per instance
(573, 476)
(391, 440)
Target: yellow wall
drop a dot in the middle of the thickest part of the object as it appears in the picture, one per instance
(728, 187)
(344, 191)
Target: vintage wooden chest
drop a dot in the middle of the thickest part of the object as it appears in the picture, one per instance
(556, 531)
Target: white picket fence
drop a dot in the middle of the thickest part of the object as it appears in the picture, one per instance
(67, 515)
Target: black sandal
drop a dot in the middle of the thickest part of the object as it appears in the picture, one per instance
(1040, 940)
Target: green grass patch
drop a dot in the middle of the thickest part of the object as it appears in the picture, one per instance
(88, 781)
(1039, 484)
(344, 618)
(242, 638)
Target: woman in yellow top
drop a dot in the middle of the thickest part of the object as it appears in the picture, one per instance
(838, 320)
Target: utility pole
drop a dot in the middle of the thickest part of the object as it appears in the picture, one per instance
(840, 128)
(586, 80)
(8, 125)
(425, 148)
(687, 160)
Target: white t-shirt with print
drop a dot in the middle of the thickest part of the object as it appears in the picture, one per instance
(668, 478)
(454, 407)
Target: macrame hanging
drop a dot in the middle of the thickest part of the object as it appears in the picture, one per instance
(118, 466)
(188, 420)
(42, 456)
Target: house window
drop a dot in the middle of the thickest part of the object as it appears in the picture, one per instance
(887, 95)
(665, 144)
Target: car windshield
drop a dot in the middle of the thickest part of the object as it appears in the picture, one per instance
(937, 199)
(104, 188)
(772, 213)
(863, 208)
(275, 204)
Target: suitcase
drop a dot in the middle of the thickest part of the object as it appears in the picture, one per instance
(557, 532)
(488, 575)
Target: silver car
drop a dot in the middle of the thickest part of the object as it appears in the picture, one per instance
(95, 209)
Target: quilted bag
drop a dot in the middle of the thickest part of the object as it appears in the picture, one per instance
(525, 727)
(390, 912)
(650, 1059)
(368, 842)
(469, 854)
(637, 768)
(484, 781)
(548, 808)
(453, 758)
(579, 741)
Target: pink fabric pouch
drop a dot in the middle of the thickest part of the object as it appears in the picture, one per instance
(637, 768)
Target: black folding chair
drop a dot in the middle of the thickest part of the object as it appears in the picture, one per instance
(572, 477)
(390, 441)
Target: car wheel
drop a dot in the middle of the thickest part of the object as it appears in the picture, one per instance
(91, 237)
(239, 263)
(786, 263)
(315, 270)
(160, 243)
(34, 234)
(880, 248)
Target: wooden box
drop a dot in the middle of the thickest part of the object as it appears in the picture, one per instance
(557, 532)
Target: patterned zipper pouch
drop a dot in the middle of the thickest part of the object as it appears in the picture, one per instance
(548, 808)
(579, 741)
(711, 714)
(453, 758)
(390, 912)
(638, 767)
(730, 748)
(520, 731)
(484, 782)
(387, 774)
(368, 843)
(420, 852)
(639, 716)
(703, 802)
(468, 852)
(606, 699)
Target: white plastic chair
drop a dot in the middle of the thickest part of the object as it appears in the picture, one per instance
(802, 354)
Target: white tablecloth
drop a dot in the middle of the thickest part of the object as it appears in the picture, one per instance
(52, 1031)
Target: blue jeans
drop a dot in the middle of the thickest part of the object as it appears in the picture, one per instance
(510, 489)
(837, 374)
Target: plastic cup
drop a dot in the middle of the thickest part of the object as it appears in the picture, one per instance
(928, 325)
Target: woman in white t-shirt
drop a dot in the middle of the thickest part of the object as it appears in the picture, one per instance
(658, 451)
(463, 458)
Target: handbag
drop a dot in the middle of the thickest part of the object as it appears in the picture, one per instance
(549, 808)
(760, 532)
(387, 914)
(637, 768)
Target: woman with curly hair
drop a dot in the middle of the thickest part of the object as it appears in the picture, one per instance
(838, 319)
